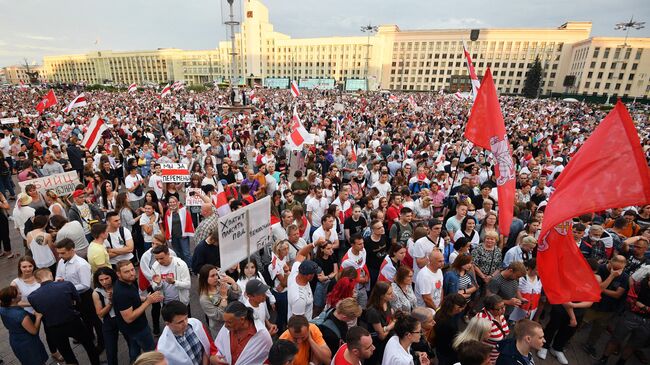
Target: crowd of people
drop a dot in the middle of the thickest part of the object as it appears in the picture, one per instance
(386, 246)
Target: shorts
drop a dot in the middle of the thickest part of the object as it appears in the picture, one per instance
(637, 326)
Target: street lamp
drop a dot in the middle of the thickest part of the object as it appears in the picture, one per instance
(368, 29)
(626, 26)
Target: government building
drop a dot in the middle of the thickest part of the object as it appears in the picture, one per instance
(390, 58)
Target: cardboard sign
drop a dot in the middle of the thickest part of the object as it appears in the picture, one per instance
(195, 199)
(174, 173)
(62, 184)
(244, 232)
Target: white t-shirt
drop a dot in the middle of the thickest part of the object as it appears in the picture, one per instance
(394, 353)
(428, 283)
(261, 313)
(320, 232)
(384, 189)
(318, 208)
(300, 298)
(114, 240)
(129, 182)
(422, 248)
(155, 182)
(144, 220)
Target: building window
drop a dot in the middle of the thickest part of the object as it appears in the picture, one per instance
(596, 52)
(631, 77)
(638, 54)
(593, 65)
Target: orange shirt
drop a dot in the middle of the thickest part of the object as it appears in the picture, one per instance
(304, 351)
(237, 345)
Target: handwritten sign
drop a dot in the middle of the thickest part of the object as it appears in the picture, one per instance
(174, 173)
(193, 200)
(244, 232)
(62, 184)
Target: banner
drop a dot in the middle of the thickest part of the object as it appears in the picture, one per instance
(244, 232)
(174, 173)
(65, 131)
(62, 184)
(193, 200)
(13, 120)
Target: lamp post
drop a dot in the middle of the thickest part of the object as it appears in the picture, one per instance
(626, 26)
(369, 30)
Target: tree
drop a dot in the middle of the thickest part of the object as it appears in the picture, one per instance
(533, 79)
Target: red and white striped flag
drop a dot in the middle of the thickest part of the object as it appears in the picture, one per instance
(295, 91)
(178, 85)
(166, 91)
(472, 73)
(94, 133)
(299, 134)
(78, 102)
(133, 88)
(392, 99)
(221, 202)
(412, 102)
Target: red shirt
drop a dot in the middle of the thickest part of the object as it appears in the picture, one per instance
(392, 213)
(339, 358)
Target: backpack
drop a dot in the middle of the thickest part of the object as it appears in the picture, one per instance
(110, 242)
(323, 321)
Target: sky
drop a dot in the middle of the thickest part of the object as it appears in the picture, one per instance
(31, 29)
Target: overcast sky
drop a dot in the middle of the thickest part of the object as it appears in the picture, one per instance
(34, 28)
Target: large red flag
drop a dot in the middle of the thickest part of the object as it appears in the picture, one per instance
(48, 101)
(485, 128)
(608, 171)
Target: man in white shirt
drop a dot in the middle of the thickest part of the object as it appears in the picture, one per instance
(155, 181)
(51, 166)
(356, 258)
(422, 247)
(326, 232)
(428, 283)
(171, 275)
(299, 295)
(76, 270)
(279, 230)
(135, 186)
(317, 207)
(255, 299)
(383, 185)
(119, 243)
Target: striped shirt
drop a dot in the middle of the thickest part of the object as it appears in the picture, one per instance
(498, 332)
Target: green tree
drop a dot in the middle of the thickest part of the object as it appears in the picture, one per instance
(533, 79)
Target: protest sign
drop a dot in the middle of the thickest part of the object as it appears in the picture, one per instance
(62, 184)
(174, 173)
(13, 120)
(193, 200)
(65, 131)
(244, 232)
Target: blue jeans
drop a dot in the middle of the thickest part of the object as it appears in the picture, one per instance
(320, 294)
(281, 308)
(182, 248)
(140, 342)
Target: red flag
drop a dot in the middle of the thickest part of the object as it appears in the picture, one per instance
(48, 101)
(485, 128)
(590, 183)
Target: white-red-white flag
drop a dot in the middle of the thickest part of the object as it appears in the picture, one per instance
(221, 201)
(78, 102)
(549, 149)
(166, 91)
(476, 84)
(412, 102)
(299, 134)
(133, 88)
(178, 85)
(94, 133)
(392, 99)
(295, 91)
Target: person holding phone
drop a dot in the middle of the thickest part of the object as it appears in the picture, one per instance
(171, 276)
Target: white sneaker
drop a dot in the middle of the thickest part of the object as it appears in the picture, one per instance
(561, 358)
(542, 353)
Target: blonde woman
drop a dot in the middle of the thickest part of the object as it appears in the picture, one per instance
(478, 329)
(55, 204)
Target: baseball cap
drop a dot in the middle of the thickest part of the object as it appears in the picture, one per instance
(256, 287)
(309, 267)
(78, 193)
